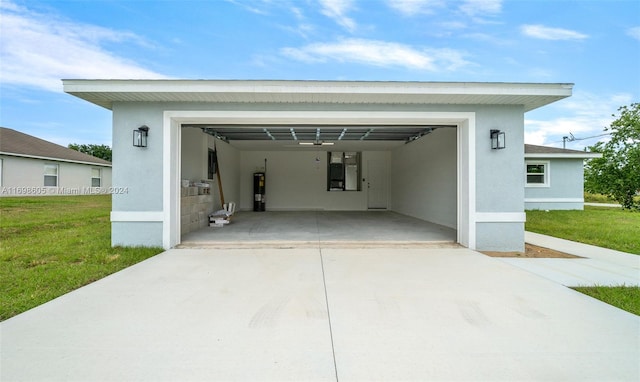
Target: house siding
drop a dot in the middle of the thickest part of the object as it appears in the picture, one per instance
(499, 181)
(20, 173)
(566, 187)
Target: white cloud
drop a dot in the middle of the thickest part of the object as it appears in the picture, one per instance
(379, 53)
(549, 33)
(337, 10)
(481, 7)
(40, 49)
(634, 32)
(584, 115)
(414, 7)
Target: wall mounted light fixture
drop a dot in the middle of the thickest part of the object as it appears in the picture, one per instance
(140, 136)
(497, 139)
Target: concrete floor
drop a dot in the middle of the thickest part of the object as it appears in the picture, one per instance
(322, 314)
(321, 226)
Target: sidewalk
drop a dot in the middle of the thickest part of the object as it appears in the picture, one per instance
(598, 266)
(602, 204)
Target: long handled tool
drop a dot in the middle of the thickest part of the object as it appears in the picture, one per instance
(218, 176)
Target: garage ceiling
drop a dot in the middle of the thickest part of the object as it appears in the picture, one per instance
(309, 133)
(249, 137)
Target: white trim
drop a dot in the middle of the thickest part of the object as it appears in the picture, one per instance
(547, 174)
(563, 156)
(501, 217)
(173, 119)
(54, 159)
(171, 165)
(106, 92)
(554, 200)
(361, 118)
(137, 216)
(466, 180)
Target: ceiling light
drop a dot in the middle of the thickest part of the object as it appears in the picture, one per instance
(316, 143)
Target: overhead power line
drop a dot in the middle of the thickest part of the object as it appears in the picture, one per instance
(571, 138)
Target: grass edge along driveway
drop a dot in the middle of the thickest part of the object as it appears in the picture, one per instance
(51, 245)
(612, 228)
(606, 227)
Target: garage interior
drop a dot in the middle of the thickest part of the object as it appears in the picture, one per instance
(327, 184)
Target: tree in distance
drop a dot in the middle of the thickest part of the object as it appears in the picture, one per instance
(617, 173)
(98, 151)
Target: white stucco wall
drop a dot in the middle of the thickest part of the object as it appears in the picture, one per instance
(565, 190)
(22, 176)
(297, 180)
(423, 178)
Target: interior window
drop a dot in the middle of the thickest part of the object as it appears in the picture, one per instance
(343, 172)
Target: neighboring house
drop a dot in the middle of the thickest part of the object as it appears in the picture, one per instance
(422, 149)
(554, 178)
(31, 166)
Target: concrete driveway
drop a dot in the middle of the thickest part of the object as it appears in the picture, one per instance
(312, 314)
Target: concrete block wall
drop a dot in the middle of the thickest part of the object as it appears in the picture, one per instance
(195, 208)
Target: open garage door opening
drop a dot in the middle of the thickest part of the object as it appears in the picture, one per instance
(327, 183)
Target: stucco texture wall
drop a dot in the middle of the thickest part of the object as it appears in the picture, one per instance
(73, 178)
(565, 189)
(499, 178)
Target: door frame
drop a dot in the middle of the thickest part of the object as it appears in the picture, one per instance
(464, 121)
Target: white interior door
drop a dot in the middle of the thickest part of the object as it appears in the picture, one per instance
(376, 183)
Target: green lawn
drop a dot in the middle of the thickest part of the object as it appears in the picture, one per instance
(623, 297)
(612, 228)
(50, 246)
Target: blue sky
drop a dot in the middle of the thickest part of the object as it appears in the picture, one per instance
(594, 44)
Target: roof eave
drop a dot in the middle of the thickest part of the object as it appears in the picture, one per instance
(55, 159)
(563, 156)
(105, 92)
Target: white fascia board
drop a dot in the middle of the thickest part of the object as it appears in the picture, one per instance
(563, 156)
(332, 87)
(104, 92)
(54, 159)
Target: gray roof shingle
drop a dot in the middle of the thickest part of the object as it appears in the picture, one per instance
(533, 149)
(15, 142)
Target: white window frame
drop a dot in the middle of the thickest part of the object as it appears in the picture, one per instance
(547, 172)
(57, 175)
(1, 164)
(99, 176)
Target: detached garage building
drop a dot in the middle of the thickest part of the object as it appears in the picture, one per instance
(422, 149)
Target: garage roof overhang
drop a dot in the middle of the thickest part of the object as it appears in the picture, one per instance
(530, 95)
